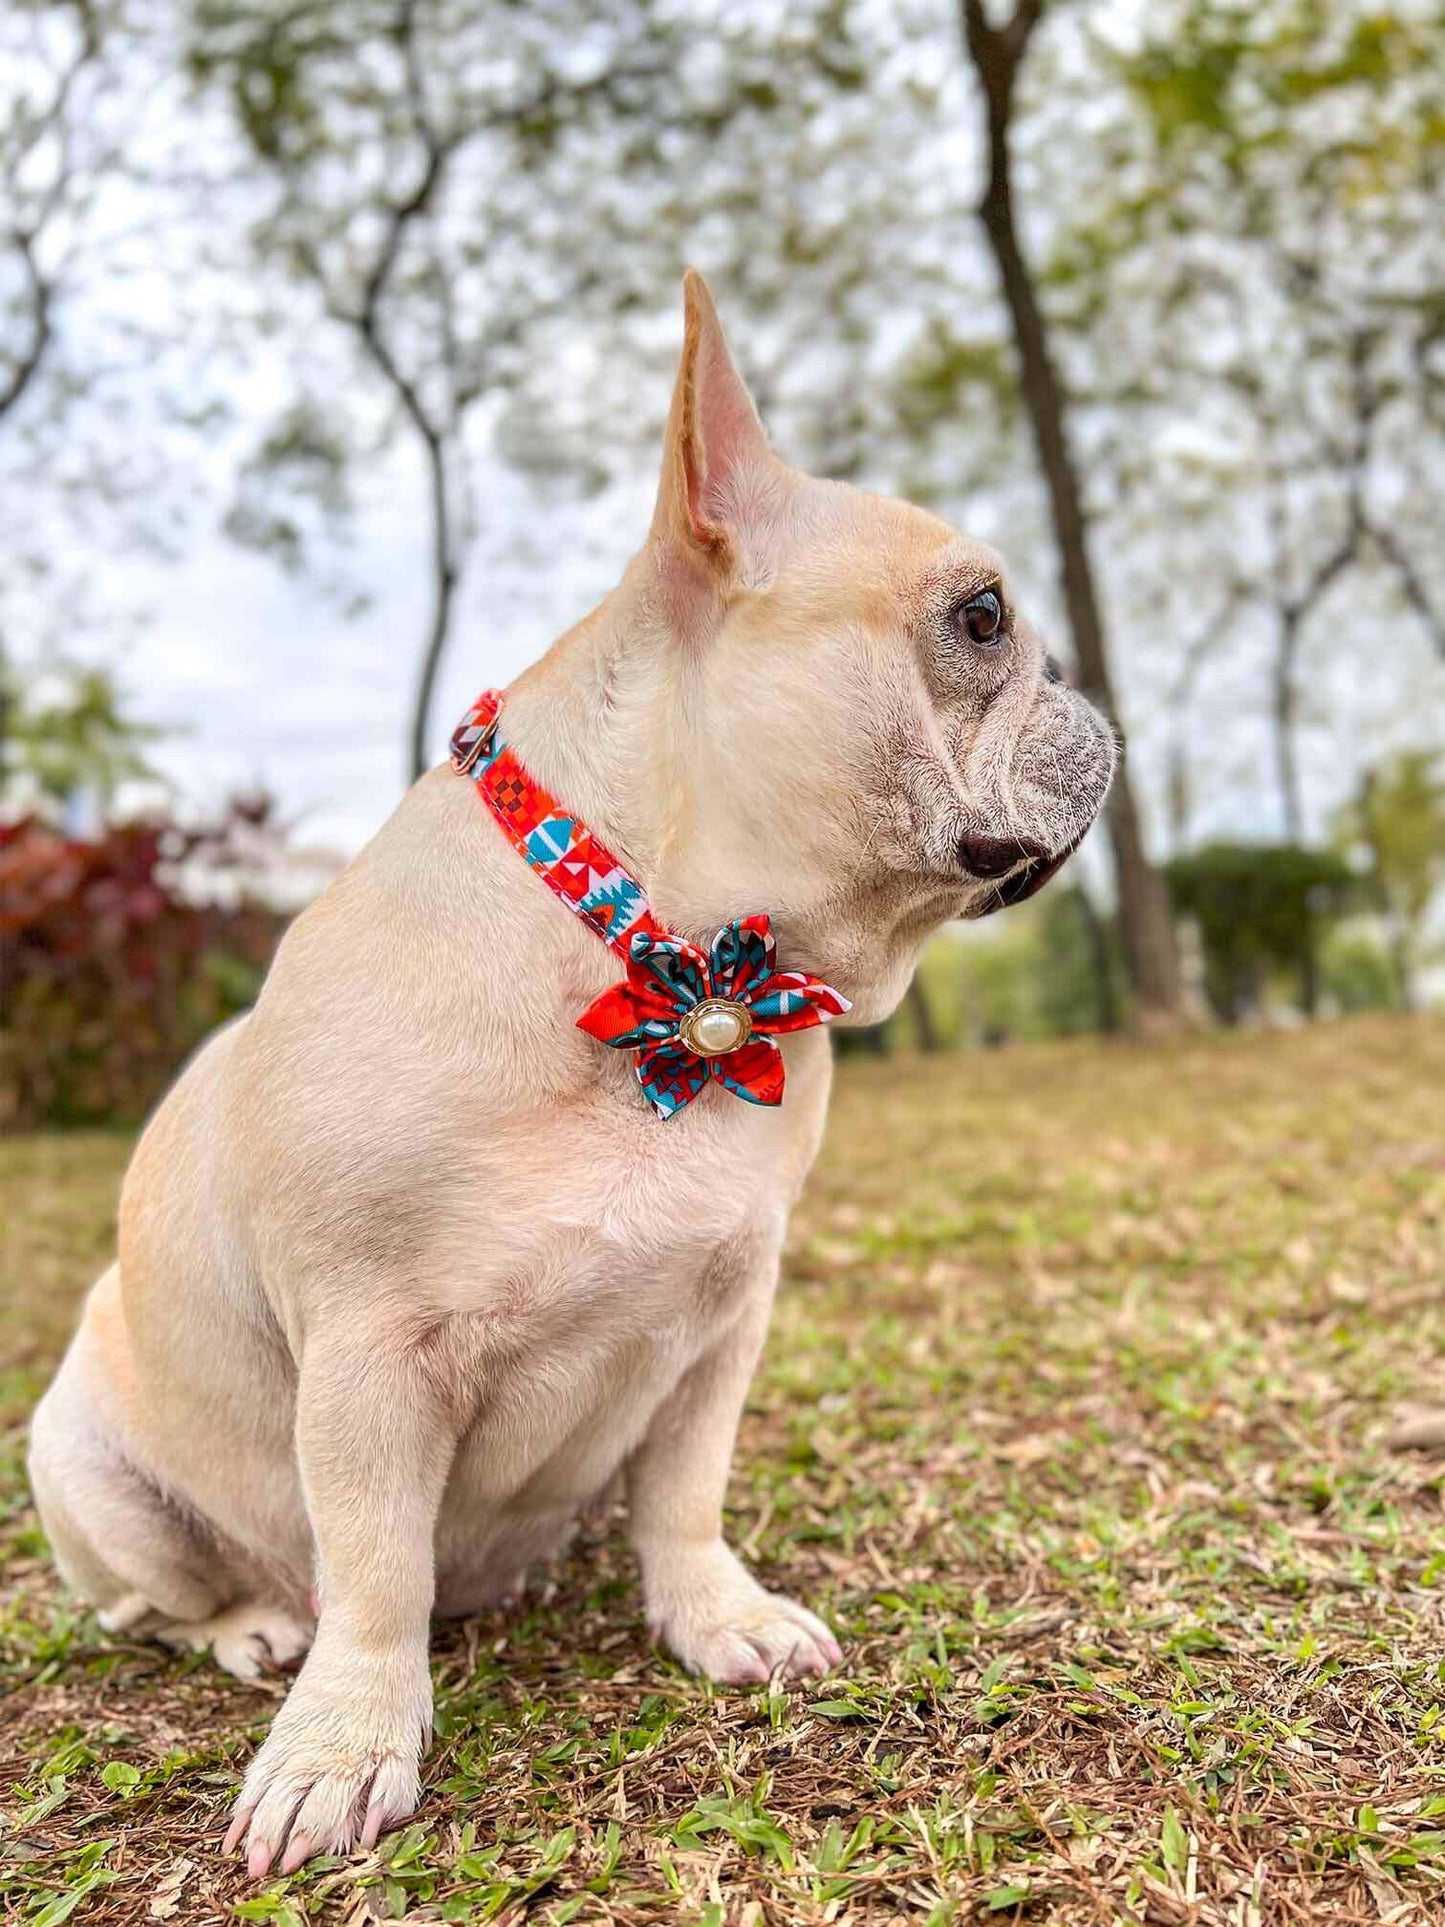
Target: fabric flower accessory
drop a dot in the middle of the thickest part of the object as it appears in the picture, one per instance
(691, 1016)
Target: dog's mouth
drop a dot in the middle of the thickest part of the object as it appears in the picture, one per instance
(991, 860)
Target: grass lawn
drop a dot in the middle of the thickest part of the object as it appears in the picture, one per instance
(1073, 1421)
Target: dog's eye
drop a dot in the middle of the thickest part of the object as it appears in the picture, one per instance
(981, 619)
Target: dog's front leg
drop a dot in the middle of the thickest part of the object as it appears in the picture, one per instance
(700, 1599)
(374, 1441)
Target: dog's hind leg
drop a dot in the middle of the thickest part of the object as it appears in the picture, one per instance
(117, 1540)
(140, 1558)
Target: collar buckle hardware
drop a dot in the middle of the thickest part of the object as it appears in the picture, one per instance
(464, 761)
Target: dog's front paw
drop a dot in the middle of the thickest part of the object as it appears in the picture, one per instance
(340, 1766)
(706, 1607)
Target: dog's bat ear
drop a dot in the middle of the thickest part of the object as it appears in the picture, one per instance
(713, 433)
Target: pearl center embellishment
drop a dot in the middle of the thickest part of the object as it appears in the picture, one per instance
(713, 1028)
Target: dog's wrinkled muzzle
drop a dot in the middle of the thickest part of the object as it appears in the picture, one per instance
(989, 858)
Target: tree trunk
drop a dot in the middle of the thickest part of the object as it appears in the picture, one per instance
(923, 1024)
(1309, 988)
(1146, 926)
(1402, 951)
(1286, 750)
(4, 715)
(444, 583)
(1097, 936)
(1180, 801)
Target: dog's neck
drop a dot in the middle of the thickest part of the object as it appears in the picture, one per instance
(607, 722)
(592, 721)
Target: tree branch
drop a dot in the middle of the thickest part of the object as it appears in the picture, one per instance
(39, 304)
(1196, 654)
(1412, 583)
(39, 298)
(998, 51)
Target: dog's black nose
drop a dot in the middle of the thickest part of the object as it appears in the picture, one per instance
(1052, 671)
(994, 856)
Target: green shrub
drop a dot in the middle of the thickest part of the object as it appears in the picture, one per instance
(1260, 908)
(1358, 973)
(1080, 967)
(1046, 969)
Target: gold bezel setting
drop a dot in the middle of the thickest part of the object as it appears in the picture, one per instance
(687, 1029)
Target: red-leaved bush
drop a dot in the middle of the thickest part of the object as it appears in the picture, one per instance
(109, 975)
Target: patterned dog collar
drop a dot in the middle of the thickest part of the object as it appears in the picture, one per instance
(690, 1015)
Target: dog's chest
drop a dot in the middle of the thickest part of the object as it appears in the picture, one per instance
(590, 1229)
(651, 1221)
(608, 1285)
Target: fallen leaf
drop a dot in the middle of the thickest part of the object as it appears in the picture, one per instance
(166, 1896)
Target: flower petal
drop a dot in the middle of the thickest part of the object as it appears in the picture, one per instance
(755, 1072)
(792, 1000)
(629, 1014)
(670, 1076)
(742, 956)
(671, 964)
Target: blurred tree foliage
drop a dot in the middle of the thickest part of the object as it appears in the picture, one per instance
(1258, 267)
(107, 390)
(1398, 819)
(1357, 973)
(1260, 910)
(1081, 964)
(59, 71)
(64, 730)
(451, 178)
(473, 195)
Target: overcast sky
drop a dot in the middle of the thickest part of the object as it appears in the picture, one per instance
(264, 680)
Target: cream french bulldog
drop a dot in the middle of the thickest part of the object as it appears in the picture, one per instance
(408, 1267)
